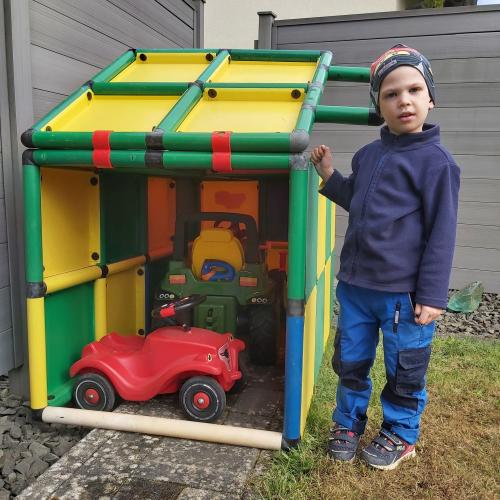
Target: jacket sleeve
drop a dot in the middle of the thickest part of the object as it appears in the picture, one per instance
(338, 188)
(440, 205)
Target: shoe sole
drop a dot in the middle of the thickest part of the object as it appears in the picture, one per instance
(341, 460)
(394, 464)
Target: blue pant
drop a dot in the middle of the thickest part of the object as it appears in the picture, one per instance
(407, 352)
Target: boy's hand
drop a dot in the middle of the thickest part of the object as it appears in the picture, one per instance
(426, 314)
(322, 160)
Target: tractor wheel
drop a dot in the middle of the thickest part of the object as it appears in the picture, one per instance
(262, 335)
(93, 391)
(202, 398)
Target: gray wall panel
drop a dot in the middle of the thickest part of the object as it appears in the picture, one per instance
(65, 75)
(111, 21)
(398, 24)
(4, 265)
(160, 19)
(63, 35)
(6, 351)
(463, 46)
(183, 10)
(455, 46)
(450, 95)
(5, 318)
(44, 101)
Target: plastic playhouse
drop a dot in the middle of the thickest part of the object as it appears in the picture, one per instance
(174, 172)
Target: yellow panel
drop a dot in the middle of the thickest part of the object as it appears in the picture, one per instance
(328, 299)
(120, 113)
(244, 110)
(125, 302)
(332, 231)
(70, 220)
(231, 196)
(321, 242)
(308, 356)
(37, 354)
(185, 67)
(266, 72)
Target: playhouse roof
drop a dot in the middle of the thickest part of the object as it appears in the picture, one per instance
(175, 109)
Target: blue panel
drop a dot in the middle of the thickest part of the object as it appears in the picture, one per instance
(293, 376)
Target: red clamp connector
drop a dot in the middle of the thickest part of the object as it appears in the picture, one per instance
(101, 156)
(221, 152)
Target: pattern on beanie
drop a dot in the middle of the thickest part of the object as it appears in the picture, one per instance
(399, 55)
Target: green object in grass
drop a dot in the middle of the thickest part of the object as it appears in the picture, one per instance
(468, 299)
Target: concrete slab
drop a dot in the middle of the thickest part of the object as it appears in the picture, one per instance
(117, 465)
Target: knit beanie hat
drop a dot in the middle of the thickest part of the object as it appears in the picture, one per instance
(399, 55)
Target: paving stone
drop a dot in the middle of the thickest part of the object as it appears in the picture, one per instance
(149, 489)
(197, 494)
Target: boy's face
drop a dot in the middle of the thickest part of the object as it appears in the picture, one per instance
(404, 100)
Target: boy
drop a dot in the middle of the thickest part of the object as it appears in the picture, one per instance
(396, 260)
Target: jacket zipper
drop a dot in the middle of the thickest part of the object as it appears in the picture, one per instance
(395, 322)
(363, 209)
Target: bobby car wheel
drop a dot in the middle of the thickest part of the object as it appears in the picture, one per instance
(93, 391)
(202, 398)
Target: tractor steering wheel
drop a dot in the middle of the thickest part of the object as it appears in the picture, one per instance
(170, 309)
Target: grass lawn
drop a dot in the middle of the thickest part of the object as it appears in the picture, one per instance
(457, 454)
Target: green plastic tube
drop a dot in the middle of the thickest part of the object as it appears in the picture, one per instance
(297, 218)
(40, 124)
(240, 142)
(275, 55)
(189, 99)
(349, 74)
(33, 224)
(305, 120)
(139, 88)
(182, 160)
(347, 114)
(251, 85)
(115, 67)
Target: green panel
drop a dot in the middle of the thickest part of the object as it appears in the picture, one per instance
(312, 231)
(297, 233)
(328, 229)
(123, 217)
(32, 223)
(320, 312)
(69, 326)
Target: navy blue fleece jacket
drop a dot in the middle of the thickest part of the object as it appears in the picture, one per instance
(402, 199)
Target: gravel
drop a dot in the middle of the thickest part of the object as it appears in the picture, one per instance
(29, 447)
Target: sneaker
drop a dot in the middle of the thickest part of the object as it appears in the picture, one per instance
(342, 444)
(387, 450)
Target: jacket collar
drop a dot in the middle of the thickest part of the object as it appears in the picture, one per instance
(429, 135)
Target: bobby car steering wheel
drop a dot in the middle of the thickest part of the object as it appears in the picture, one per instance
(170, 309)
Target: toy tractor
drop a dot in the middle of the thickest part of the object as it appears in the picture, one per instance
(224, 264)
(200, 364)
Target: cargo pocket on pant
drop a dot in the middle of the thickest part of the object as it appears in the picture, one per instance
(411, 369)
(336, 364)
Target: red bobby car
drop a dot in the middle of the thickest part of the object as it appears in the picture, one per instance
(201, 363)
